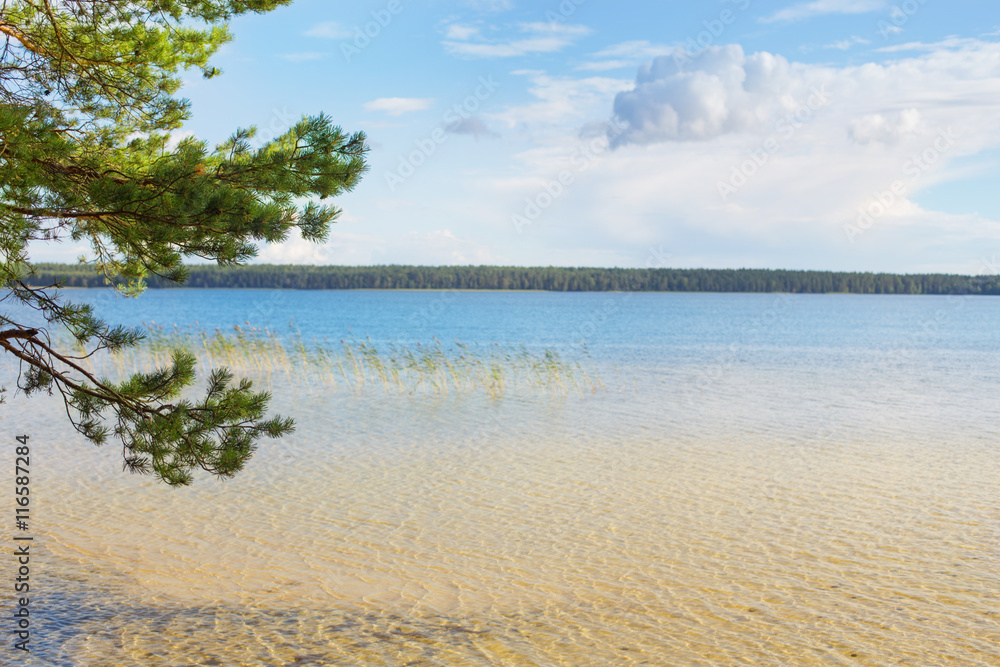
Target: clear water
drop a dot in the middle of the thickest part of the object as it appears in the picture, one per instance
(763, 480)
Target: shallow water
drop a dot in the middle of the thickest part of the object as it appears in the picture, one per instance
(777, 497)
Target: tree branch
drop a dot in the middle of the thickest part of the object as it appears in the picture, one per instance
(18, 333)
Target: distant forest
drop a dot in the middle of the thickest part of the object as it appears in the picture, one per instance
(555, 279)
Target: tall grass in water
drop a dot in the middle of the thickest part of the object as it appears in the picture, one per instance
(360, 366)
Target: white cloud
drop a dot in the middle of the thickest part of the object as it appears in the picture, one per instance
(723, 91)
(559, 102)
(606, 65)
(719, 91)
(880, 119)
(625, 54)
(329, 30)
(949, 43)
(302, 57)
(805, 10)
(845, 44)
(442, 246)
(634, 49)
(877, 128)
(462, 32)
(539, 38)
(295, 250)
(397, 106)
(177, 137)
(434, 247)
(791, 212)
(58, 251)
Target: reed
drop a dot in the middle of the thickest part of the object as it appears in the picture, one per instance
(359, 366)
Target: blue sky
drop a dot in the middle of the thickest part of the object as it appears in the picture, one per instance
(825, 134)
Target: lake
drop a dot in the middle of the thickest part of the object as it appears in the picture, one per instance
(753, 479)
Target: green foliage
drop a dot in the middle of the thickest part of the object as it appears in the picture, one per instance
(87, 106)
(556, 279)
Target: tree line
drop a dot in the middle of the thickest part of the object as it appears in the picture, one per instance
(554, 279)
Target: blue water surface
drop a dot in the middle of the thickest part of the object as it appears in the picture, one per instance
(624, 327)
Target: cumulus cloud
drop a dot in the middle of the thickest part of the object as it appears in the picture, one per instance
(537, 38)
(397, 106)
(794, 210)
(882, 130)
(723, 91)
(717, 92)
(807, 10)
(876, 128)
